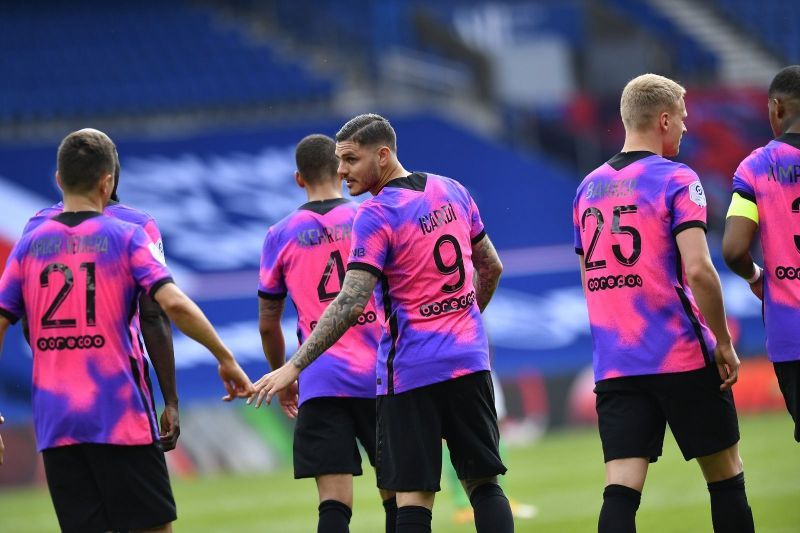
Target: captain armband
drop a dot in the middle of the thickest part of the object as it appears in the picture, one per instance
(742, 207)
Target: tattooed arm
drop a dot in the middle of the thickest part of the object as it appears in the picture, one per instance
(337, 318)
(487, 271)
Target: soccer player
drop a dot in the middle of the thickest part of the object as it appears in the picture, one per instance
(422, 237)
(76, 277)
(662, 350)
(149, 322)
(766, 195)
(304, 257)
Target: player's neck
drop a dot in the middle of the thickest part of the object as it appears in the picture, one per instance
(643, 141)
(792, 124)
(390, 173)
(323, 193)
(75, 203)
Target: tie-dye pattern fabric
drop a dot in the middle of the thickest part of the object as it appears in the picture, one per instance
(770, 177)
(643, 317)
(148, 224)
(416, 235)
(78, 287)
(305, 255)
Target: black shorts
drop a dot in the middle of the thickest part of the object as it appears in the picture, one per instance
(412, 424)
(788, 375)
(105, 487)
(325, 436)
(633, 413)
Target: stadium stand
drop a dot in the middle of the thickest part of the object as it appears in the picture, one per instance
(775, 23)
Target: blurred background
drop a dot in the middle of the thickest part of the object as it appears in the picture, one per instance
(517, 99)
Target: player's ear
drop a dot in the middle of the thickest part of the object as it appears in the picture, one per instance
(384, 154)
(107, 185)
(298, 178)
(58, 181)
(663, 121)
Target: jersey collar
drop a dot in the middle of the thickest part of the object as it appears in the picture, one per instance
(623, 159)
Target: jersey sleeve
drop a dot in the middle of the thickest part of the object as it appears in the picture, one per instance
(576, 228)
(476, 230)
(271, 282)
(154, 234)
(744, 182)
(11, 303)
(370, 240)
(146, 262)
(686, 201)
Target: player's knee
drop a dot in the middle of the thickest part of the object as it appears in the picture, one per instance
(471, 484)
(721, 465)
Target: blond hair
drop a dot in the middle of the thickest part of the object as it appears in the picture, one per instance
(647, 96)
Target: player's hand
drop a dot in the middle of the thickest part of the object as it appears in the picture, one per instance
(274, 382)
(758, 287)
(170, 427)
(2, 446)
(236, 382)
(727, 364)
(289, 398)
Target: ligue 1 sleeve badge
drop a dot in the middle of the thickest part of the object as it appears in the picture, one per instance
(697, 194)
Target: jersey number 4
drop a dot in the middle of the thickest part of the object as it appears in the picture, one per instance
(616, 228)
(336, 264)
(69, 280)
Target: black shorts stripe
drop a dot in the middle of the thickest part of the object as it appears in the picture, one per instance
(393, 331)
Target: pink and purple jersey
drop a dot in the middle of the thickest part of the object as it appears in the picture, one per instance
(643, 317)
(148, 224)
(76, 277)
(304, 255)
(416, 236)
(770, 177)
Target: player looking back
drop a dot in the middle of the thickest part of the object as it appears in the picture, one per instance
(304, 257)
(766, 196)
(76, 278)
(422, 237)
(149, 322)
(656, 314)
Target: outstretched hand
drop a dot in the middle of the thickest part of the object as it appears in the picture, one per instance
(236, 382)
(289, 398)
(274, 382)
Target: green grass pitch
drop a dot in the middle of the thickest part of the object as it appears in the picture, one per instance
(562, 474)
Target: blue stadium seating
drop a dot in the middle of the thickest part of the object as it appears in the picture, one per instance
(776, 23)
(63, 60)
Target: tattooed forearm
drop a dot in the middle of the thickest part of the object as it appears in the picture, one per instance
(487, 271)
(269, 326)
(338, 317)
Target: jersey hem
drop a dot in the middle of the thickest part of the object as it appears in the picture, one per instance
(272, 295)
(158, 284)
(636, 374)
(689, 224)
(479, 237)
(358, 265)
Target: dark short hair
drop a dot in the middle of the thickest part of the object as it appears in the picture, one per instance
(368, 129)
(84, 157)
(316, 158)
(786, 82)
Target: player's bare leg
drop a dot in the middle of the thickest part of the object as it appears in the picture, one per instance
(335, 502)
(414, 511)
(730, 512)
(490, 505)
(624, 483)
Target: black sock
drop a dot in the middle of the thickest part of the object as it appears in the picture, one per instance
(491, 509)
(413, 519)
(618, 514)
(334, 517)
(730, 512)
(390, 506)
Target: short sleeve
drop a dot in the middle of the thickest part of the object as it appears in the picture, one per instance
(12, 306)
(154, 234)
(744, 182)
(476, 229)
(147, 264)
(370, 240)
(686, 201)
(576, 228)
(271, 283)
